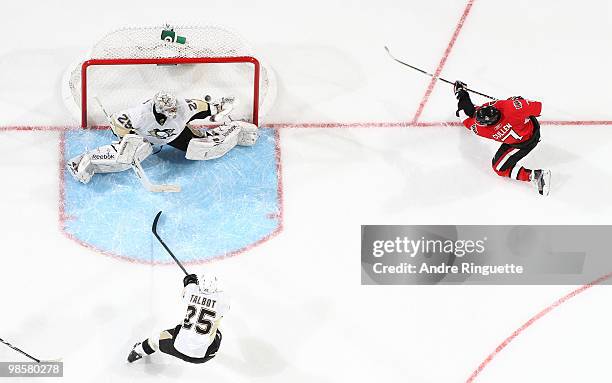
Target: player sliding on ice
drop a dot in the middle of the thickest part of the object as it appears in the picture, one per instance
(160, 121)
(513, 123)
(198, 338)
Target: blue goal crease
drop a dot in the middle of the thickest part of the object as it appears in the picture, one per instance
(225, 205)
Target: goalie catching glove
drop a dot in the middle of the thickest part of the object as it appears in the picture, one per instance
(220, 109)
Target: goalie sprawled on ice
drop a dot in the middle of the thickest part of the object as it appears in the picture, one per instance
(164, 120)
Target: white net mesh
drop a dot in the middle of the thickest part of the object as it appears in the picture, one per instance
(122, 86)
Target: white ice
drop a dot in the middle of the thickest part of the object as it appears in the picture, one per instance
(299, 312)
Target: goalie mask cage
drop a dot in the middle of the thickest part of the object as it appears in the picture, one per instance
(128, 66)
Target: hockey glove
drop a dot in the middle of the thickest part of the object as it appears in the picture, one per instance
(191, 278)
(464, 103)
(459, 86)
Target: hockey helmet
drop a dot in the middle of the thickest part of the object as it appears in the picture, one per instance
(208, 283)
(165, 103)
(488, 115)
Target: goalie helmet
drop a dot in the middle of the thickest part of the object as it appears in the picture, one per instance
(488, 115)
(208, 283)
(165, 103)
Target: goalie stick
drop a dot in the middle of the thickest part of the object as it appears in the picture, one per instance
(154, 230)
(139, 171)
(25, 353)
(434, 76)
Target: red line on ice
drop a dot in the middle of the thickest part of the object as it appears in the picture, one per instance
(329, 125)
(396, 124)
(531, 321)
(447, 52)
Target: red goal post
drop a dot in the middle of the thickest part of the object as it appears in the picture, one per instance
(170, 61)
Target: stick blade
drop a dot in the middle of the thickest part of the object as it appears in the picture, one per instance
(389, 52)
(154, 227)
(165, 188)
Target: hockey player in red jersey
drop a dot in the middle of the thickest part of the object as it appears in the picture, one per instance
(513, 123)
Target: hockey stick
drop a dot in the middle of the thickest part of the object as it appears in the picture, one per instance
(154, 229)
(139, 171)
(433, 76)
(156, 188)
(26, 354)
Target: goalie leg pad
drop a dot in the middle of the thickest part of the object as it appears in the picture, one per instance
(217, 142)
(103, 160)
(248, 133)
(132, 146)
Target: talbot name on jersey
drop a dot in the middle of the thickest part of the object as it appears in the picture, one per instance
(200, 300)
(501, 133)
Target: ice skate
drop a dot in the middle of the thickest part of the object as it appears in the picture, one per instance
(540, 178)
(134, 355)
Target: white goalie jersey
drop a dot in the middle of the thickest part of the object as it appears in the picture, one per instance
(142, 120)
(161, 121)
(204, 313)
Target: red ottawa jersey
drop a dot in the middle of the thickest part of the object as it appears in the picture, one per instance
(513, 127)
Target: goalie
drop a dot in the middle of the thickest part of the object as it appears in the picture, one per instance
(164, 120)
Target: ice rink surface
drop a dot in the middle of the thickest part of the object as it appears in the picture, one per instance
(363, 140)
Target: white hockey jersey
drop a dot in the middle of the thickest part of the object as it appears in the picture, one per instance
(204, 312)
(141, 120)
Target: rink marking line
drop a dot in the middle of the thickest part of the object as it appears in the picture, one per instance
(531, 321)
(396, 124)
(447, 52)
(63, 217)
(324, 125)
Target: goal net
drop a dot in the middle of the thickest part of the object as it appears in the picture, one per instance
(130, 65)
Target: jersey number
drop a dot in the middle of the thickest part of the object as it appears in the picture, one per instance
(192, 105)
(125, 121)
(203, 325)
(512, 134)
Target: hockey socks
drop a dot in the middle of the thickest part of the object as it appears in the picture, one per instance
(524, 174)
(145, 347)
(516, 173)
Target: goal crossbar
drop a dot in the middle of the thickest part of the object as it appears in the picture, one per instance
(171, 61)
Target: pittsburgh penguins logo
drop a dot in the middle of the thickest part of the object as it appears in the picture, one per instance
(162, 134)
